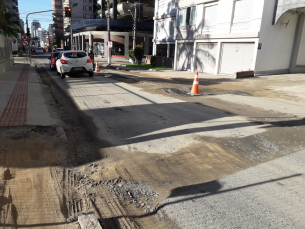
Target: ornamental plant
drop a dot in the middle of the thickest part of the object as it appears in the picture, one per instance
(139, 53)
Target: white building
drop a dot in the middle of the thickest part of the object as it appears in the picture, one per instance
(35, 25)
(227, 36)
(80, 10)
(42, 34)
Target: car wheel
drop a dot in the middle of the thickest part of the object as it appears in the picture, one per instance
(90, 74)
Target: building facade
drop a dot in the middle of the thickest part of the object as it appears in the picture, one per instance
(227, 36)
(35, 25)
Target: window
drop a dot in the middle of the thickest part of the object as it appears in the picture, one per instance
(210, 17)
(75, 54)
(241, 16)
(90, 8)
(186, 16)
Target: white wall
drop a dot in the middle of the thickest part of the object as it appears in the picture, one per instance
(165, 29)
(225, 15)
(277, 40)
(165, 13)
(301, 54)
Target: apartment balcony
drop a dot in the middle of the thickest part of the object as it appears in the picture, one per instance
(123, 11)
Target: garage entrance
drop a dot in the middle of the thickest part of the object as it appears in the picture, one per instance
(236, 57)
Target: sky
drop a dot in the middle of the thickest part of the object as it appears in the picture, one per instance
(29, 6)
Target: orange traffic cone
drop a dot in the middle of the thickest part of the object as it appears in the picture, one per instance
(97, 69)
(195, 87)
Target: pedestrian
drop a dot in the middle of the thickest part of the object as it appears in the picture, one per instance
(91, 55)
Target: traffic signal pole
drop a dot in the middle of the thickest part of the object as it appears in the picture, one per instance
(27, 27)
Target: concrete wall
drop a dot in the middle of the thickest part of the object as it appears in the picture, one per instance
(225, 14)
(6, 60)
(284, 5)
(277, 41)
(301, 54)
(5, 65)
(165, 13)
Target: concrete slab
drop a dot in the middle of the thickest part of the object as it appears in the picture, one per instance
(269, 195)
(38, 112)
(89, 220)
(270, 104)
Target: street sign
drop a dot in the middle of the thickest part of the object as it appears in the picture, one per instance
(24, 37)
(109, 44)
(25, 43)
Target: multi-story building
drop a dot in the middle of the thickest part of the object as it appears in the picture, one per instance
(42, 34)
(227, 36)
(11, 6)
(21, 24)
(35, 25)
(50, 29)
(57, 8)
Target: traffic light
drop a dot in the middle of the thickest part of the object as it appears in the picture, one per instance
(28, 31)
(67, 11)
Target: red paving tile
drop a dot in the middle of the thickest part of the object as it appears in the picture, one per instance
(16, 109)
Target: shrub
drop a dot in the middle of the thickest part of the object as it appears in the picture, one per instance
(139, 53)
(131, 53)
(153, 61)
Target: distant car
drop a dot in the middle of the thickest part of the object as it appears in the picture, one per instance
(38, 50)
(59, 50)
(52, 60)
(73, 62)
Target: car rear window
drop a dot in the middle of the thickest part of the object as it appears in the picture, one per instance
(75, 54)
(38, 48)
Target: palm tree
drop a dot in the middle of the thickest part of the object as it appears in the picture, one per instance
(8, 25)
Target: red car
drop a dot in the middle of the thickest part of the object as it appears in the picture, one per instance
(52, 60)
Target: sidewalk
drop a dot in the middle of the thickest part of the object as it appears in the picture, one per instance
(22, 101)
(117, 62)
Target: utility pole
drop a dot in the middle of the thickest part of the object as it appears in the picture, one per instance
(134, 27)
(71, 32)
(108, 29)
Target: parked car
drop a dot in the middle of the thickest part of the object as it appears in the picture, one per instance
(52, 60)
(38, 50)
(73, 62)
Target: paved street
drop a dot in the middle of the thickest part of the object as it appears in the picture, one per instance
(133, 147)
(264, 196)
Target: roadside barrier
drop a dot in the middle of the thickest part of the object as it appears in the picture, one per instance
(97, 69)
(195, 87)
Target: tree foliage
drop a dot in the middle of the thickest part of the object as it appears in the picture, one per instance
(8, 25)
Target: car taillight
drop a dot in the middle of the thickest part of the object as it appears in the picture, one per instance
(89, 60)
(63, 61)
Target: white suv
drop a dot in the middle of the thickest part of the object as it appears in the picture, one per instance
(73, 62)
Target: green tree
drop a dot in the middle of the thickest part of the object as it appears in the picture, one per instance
(9, 26)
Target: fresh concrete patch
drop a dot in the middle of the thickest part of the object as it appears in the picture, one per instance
(89, 221)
